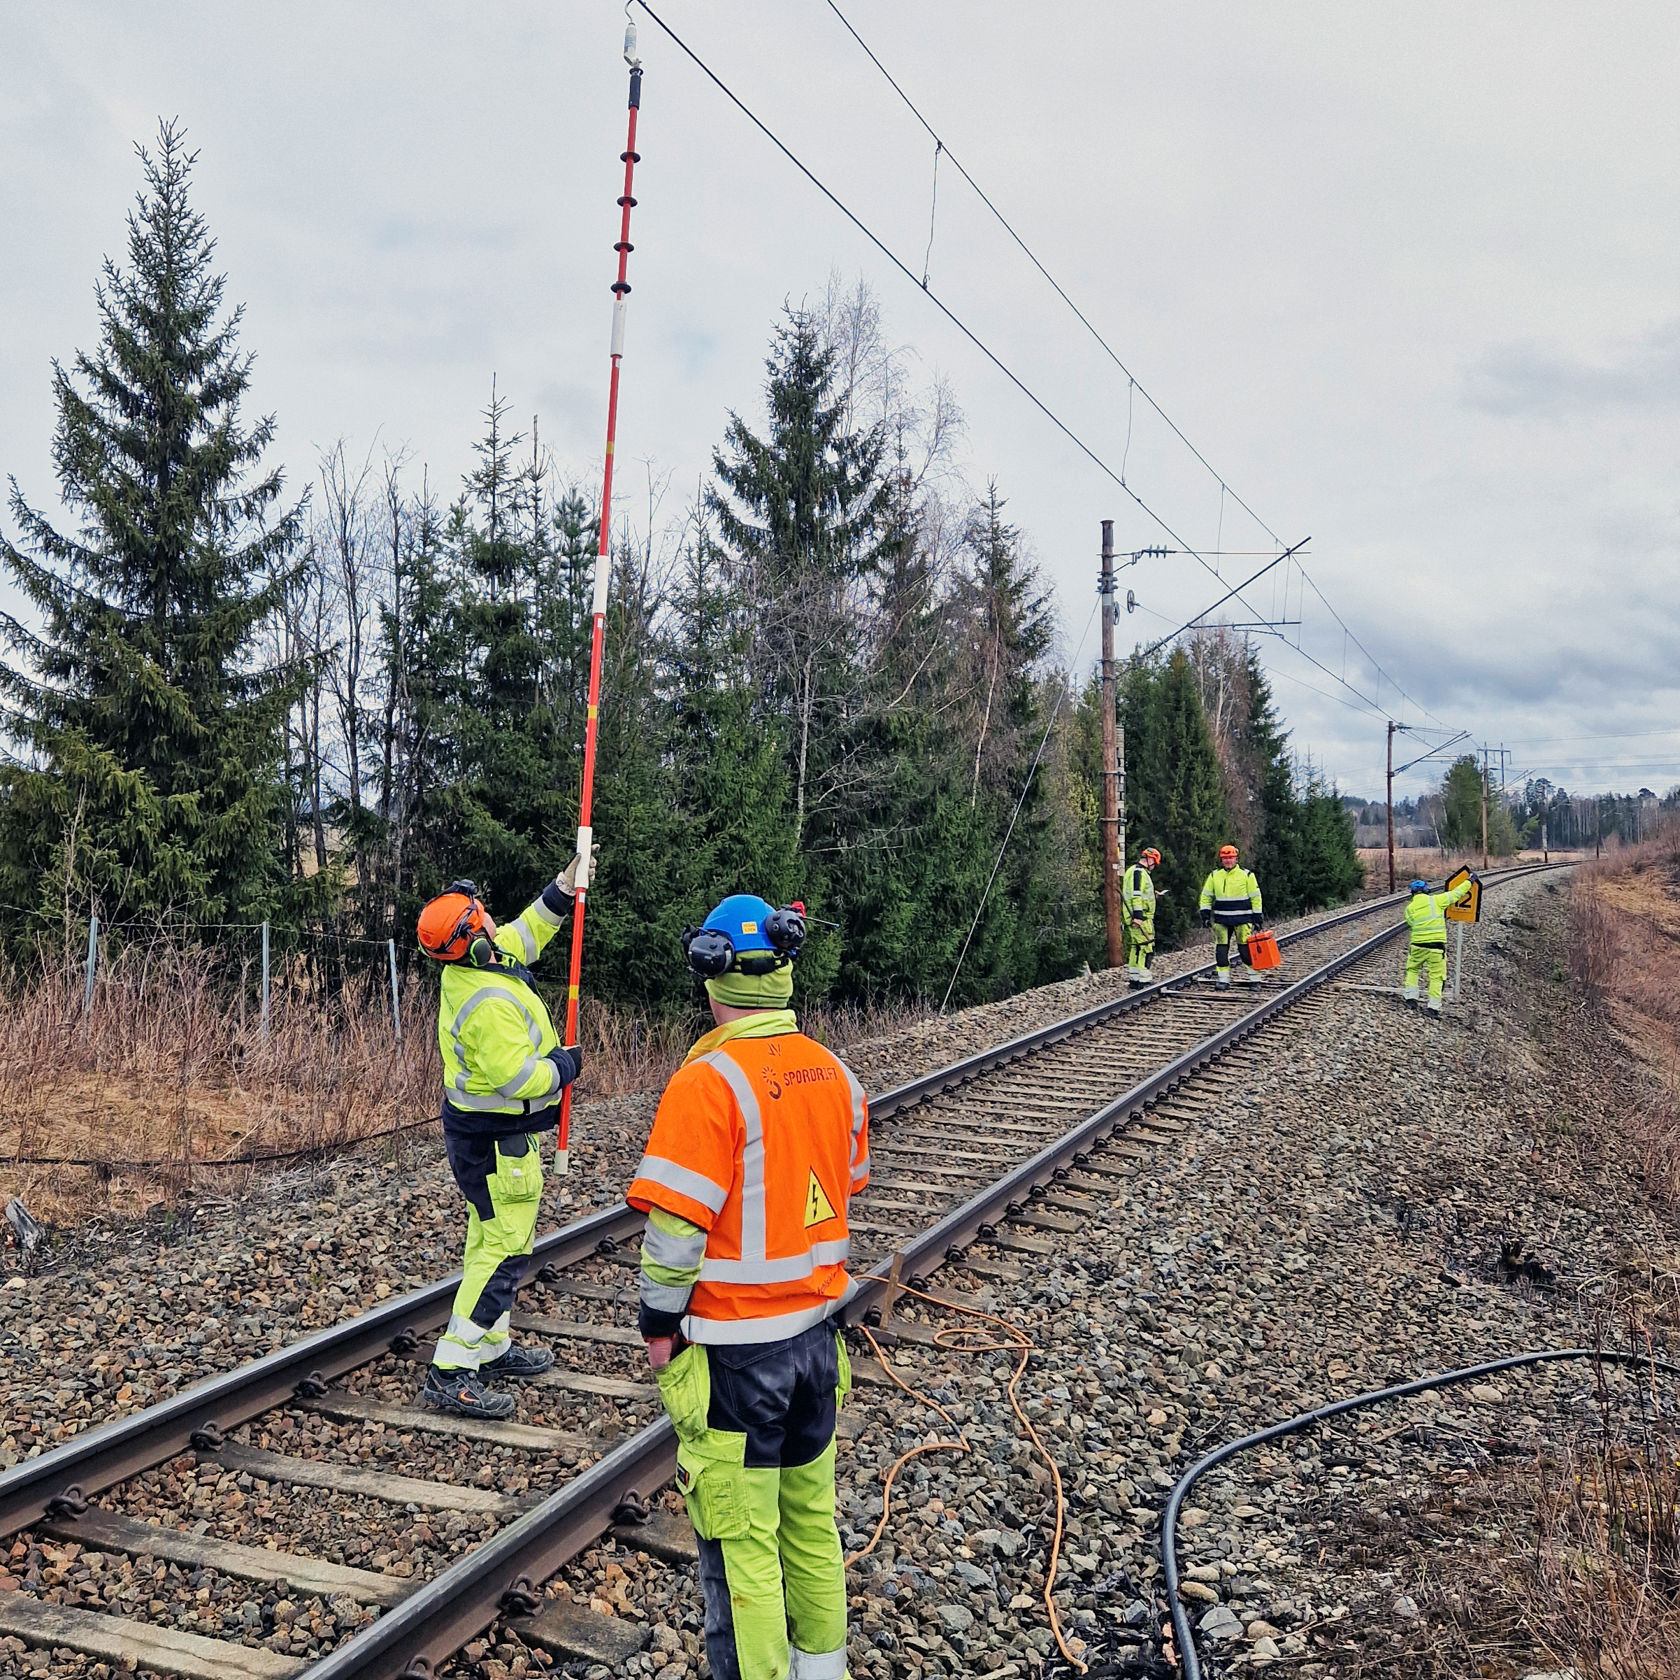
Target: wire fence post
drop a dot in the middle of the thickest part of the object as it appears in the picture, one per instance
(396, 1009)
(92, 962)
(265, 984)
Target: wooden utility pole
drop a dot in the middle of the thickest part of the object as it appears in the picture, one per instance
(1113, 857)
(1391, 804)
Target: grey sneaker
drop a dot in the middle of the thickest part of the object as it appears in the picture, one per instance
(464, 1394)
(518, 1363)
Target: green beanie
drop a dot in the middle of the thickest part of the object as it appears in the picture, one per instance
(753, 991)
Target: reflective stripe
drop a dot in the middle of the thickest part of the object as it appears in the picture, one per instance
(1246, 902)
(859, 1110)
(528, 940)
(684, 1180)
(510, 1088)
(664, 1297)
(753, 1238)
(788, 1269)
(821, 1665)
(716, 1332)
(665, 1248)
(547, 917)
(484, 995)
(493, 1104)
(860, 1171)
(461, 1346)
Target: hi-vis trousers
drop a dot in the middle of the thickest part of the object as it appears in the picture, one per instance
(1140, 942)
(755, 1459)
(1223, 939)
(1432, 960)
(502, 1180)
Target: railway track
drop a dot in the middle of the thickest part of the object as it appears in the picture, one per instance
(346, 1490)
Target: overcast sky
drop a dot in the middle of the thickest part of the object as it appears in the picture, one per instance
(1407, 277)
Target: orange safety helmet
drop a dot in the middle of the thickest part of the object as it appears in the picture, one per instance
(1228, 856)
(1149, 857)
(451, 922)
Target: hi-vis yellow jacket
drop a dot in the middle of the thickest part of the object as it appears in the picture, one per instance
(1426, 914)
(494, 1033)
(1233, 895)
(1137, 895)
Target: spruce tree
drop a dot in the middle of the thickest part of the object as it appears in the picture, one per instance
(151, 729)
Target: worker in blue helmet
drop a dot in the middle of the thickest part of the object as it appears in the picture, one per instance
(760, 1142)
(1426, 919)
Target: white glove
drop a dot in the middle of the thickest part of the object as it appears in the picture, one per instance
(566, 880)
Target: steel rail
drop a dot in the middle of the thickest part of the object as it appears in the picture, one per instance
(440, 1616)
(411, 1641)
(128, 1446)
(970, 1067)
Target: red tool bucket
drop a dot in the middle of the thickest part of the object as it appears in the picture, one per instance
(1263, 951)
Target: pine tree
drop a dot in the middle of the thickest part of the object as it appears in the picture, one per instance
(1174, 793)
(153, 731)
(799, 511)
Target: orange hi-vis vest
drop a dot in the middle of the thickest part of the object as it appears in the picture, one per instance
(760, 1142)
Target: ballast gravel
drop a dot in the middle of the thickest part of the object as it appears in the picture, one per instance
(1373, 1196)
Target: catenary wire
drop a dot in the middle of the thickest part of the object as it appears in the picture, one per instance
(1133, 383)
(1073, 437)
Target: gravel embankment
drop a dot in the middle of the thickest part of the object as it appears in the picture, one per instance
(122, 1313)
(1386, 1196)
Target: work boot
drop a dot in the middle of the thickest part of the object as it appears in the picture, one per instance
(1250, 978)
(1222, 977)
(518, 1363)
(1435, 1008)
(464, 1394)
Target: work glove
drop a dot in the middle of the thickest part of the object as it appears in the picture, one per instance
(1207, 918)
(1259, 920)
(566, 880)
(568, 1062)
(1476, 877)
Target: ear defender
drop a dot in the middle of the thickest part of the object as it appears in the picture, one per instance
(710, 952)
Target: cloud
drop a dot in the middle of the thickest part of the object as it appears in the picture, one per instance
(1532, 379)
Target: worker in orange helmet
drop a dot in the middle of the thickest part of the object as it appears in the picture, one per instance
(760, 1141)
(504, 1069)
(1137, 904)
(1231, 905)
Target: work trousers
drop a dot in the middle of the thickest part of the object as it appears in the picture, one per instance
(755, 1460)
(1140, 943)
(1430, 960)
(502, 1180)
(1222, 939)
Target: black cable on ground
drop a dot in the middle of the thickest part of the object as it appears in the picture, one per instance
(299, 1154)
(1291, 1426)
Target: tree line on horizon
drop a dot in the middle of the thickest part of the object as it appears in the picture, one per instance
(833, 677)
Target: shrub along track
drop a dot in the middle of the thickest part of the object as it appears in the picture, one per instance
(248, 1601)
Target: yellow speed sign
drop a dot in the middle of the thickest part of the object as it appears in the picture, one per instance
(1467, 909)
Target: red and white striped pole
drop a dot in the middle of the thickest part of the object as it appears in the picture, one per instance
(603, 563)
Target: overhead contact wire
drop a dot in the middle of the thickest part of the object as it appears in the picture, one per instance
(1134, 385)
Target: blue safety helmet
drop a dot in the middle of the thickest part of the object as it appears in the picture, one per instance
(745, 932)
(744, 917)
(1419, 885)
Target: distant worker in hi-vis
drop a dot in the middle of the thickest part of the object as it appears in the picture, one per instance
(760, 1141)
(1137, 909)
(1231, 905)
(1426, 919)
(504, 1068)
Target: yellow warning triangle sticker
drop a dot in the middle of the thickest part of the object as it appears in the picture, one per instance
(817, 1205)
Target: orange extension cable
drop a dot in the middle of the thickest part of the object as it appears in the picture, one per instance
(1013, 1340)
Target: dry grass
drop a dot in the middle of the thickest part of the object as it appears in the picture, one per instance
(169, 1074)
(1624, 952)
